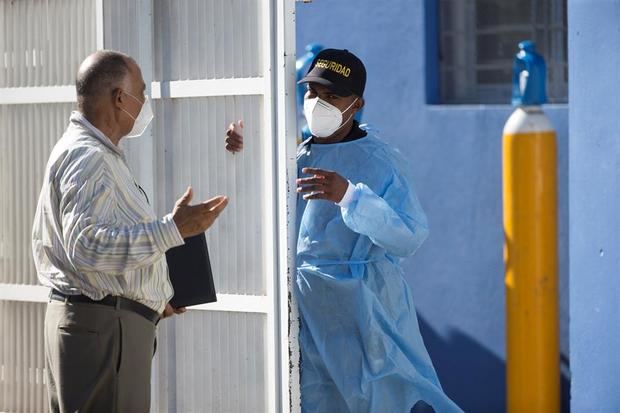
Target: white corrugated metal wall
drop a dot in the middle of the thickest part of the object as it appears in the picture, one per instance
(41, 44)
(208, 63)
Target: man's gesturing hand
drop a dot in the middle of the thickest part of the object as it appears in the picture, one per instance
(195, 219)
(322, 185)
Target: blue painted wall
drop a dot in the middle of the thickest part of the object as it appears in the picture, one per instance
(594, 36)
(455, 152)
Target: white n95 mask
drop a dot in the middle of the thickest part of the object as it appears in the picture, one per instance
(324, 119)
(142, 121)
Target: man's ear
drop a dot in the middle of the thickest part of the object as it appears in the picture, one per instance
(118, 97)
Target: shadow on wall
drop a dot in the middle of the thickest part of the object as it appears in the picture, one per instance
(471, 375)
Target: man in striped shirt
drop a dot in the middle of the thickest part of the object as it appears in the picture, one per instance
(99, 246)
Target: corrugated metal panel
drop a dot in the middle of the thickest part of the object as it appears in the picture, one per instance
(214, 39)
(207, 361)
(121, 26)
(214, 362)
(189, 150)
(43, 42)
(27, 135)
(22, 358)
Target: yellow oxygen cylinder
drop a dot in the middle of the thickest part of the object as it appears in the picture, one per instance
(530, 250)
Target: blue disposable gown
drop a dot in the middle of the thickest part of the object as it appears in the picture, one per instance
(360, 342)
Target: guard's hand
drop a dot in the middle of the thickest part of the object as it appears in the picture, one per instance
(195, 219)
(322, 185)
(169, 311)
(234, 137)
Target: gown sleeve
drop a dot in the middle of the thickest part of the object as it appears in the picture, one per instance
(394, 221)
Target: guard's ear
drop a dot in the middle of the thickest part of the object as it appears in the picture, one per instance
(359, 103)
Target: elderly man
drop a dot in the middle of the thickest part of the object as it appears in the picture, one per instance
(99, 246)
(357, 217)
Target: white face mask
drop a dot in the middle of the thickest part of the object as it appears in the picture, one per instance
(142, 121)
(324, 119)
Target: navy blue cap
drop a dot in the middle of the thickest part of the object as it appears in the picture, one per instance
(339, 70)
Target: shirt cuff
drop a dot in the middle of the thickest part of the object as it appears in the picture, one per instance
(348, 197)
(171, 237)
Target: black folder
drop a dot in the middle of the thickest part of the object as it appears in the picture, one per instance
(190, 273)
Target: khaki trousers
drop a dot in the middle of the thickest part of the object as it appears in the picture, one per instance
(98, 358)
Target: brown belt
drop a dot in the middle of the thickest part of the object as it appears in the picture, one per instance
(111, 301)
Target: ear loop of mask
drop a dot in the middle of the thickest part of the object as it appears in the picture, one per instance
(129, 114)
(137, 100)
(349, 118)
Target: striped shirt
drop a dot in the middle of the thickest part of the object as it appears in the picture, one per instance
(94, 231)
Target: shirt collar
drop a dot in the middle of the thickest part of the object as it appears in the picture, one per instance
(80, 119)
